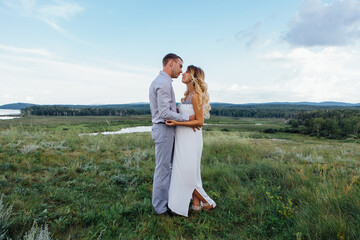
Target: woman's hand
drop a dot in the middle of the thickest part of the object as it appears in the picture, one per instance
(171, 123)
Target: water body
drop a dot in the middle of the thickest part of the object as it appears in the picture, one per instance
(122, 131)
(7, 114)
(128, 130)
(7, 118)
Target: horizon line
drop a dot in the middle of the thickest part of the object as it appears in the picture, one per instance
(248, 103)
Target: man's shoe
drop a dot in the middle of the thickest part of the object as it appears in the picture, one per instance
(170, 213)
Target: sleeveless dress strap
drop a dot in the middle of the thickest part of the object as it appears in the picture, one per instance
(188, 99)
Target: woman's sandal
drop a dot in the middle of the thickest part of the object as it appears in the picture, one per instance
(207, 206)
(195, 208)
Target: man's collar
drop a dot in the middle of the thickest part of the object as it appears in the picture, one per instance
(166, 75)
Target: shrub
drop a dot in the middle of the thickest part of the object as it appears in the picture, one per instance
(270, 130)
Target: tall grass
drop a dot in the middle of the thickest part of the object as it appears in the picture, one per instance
(99, 187)
(5, 217)
(38, 233)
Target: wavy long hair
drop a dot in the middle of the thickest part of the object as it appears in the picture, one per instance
(197, 77)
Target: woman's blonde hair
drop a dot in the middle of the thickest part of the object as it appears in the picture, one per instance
(197, 77)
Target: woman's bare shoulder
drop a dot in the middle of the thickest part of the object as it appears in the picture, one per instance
(196, 96)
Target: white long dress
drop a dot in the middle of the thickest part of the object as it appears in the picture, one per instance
(186, 176)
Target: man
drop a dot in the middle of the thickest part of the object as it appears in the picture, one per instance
(163, 107)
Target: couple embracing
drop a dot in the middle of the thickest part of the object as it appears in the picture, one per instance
(177, 177)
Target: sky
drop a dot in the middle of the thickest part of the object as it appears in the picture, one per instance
(108, 52)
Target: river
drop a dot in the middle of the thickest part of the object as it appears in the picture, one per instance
(7, 114)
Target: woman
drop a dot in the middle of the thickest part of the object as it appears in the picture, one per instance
(186, 178)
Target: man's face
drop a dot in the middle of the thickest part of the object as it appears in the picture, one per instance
(177, 68)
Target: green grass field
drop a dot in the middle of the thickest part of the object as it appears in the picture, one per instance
(267, 186)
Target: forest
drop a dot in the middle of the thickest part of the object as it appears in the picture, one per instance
(85, 111)
(268, 110)
(333, 122)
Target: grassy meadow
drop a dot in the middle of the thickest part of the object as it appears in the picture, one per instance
(267, 186)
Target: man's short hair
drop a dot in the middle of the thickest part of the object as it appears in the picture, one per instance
(168, 57)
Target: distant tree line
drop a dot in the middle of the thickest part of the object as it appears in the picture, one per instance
(255, 112)
(129, 110)
(293, 112)
(286, 111)
(90, 111)
(333, 124)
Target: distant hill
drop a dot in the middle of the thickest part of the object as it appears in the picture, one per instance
(328, 103)
(297, 105)
(142, 105)
(16, 106)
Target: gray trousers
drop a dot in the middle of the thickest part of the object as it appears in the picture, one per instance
(163, 137)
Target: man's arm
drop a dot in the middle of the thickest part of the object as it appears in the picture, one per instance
(164, 101)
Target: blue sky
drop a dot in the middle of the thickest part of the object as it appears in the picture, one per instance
(108, 52)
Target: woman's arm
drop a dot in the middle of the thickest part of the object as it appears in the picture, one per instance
(199, 115)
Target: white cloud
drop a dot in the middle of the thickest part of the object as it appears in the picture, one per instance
(292, 75)
(236, 87)
(325, 24)
(35, 77)
(250, 94)
(29, 98)
(50, 13)
(41, 52)
(23, 5)
(327, 74)
(251, 36)
(8, 98)
(54, 25)
(60, 9)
